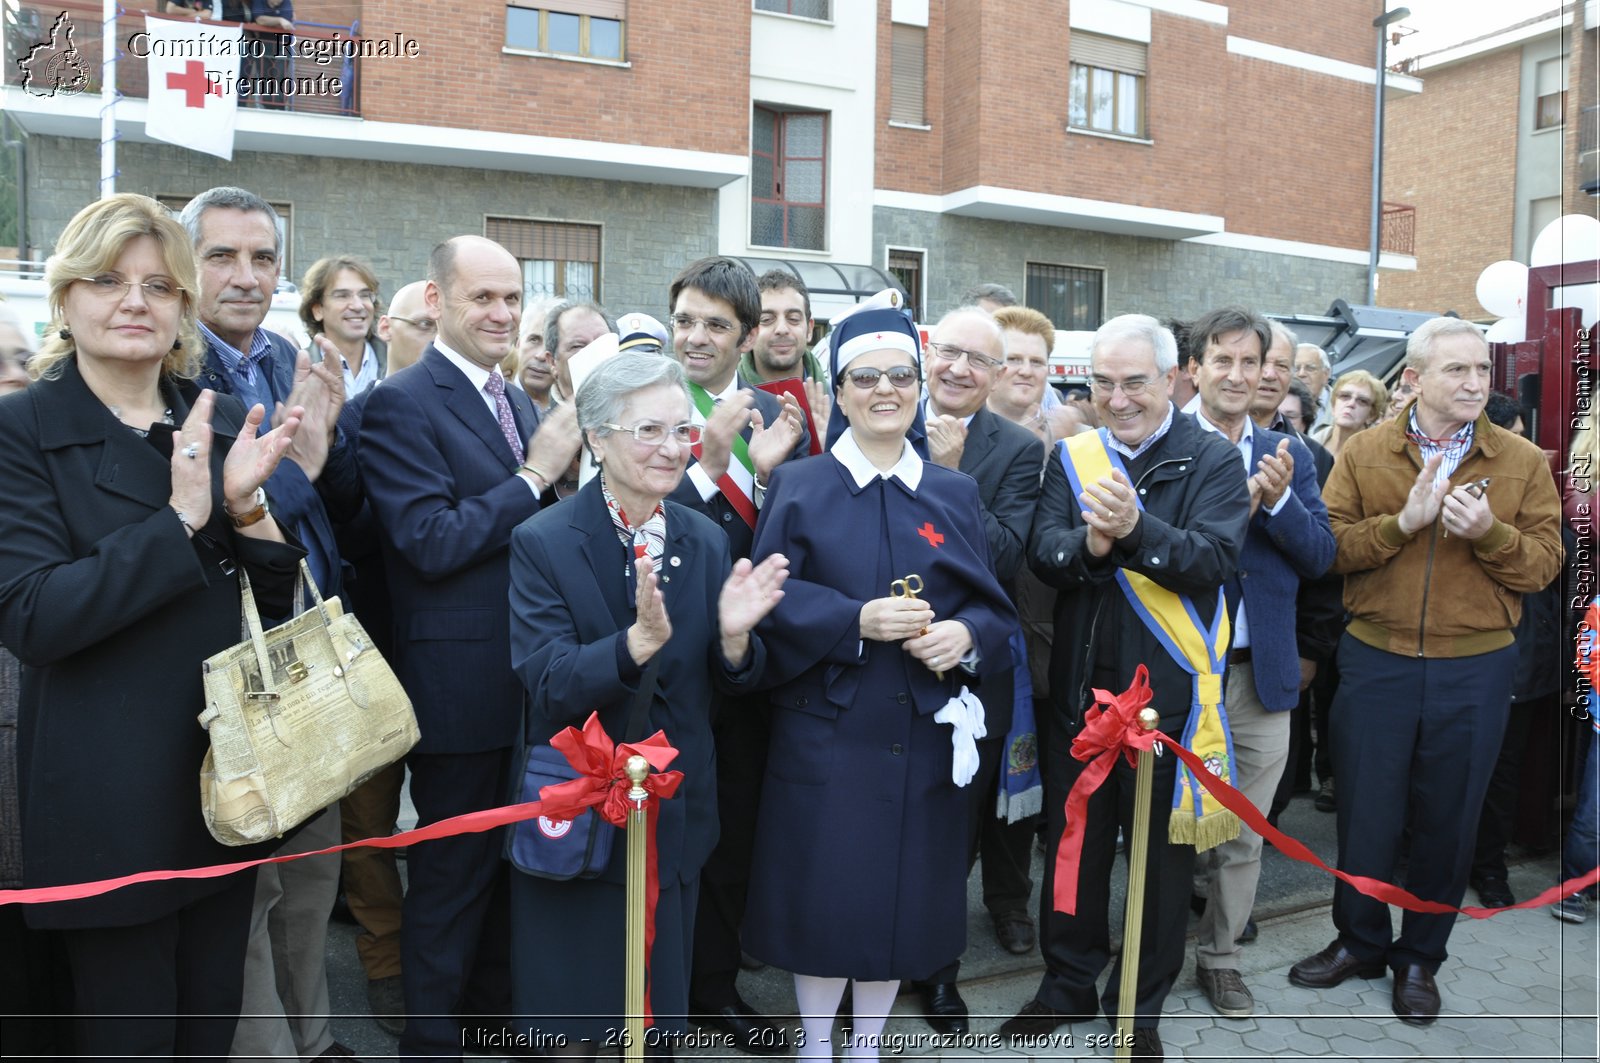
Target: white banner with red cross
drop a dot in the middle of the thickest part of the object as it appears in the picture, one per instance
(194, 74)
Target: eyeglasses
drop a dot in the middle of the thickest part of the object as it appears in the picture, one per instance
(865, 378)
(1132, 388)
(951, 353)
(650, 434)
(715, 325)
(110, 287)
(422, 324)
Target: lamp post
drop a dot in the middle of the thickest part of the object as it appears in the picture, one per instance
(1382, 23)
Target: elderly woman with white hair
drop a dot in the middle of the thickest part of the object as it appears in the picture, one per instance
(860, 866)
(614, 589)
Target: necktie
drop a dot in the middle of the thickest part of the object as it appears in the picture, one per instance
(496, 387)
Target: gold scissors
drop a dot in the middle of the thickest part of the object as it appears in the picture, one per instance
(910, 587)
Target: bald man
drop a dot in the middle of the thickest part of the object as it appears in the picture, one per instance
(409, 326)
(453, 460)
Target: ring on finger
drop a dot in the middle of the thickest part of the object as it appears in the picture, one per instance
(192, 451)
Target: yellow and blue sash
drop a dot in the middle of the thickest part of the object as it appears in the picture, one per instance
(1198, 648)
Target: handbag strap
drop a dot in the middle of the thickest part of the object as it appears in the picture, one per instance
(250, 629)
(634, 731)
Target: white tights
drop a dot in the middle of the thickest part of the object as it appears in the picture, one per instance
(819, 1003)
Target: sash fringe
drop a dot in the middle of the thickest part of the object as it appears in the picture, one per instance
(1202, 832)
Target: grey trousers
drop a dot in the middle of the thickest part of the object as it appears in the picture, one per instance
(285, 1014)
(1232, 869)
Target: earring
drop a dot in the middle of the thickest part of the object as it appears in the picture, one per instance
(64, 332)
(177, 344)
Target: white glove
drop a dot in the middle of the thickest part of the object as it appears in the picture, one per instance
(964, 713)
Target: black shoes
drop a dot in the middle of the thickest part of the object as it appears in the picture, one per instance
(1036, 1021)
(944, 1009)
(1249, 933)
(1015, 932)
(1493, 891)
(1147, 1044)
(757, 1034)
(1415, 998)
(1332, 966)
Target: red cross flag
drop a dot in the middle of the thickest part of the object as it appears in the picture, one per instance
(194, 69)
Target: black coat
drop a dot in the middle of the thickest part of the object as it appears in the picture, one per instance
(1196, 509)
(1004, 458)
(111, 609)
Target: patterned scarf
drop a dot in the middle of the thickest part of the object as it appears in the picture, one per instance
(648, 539)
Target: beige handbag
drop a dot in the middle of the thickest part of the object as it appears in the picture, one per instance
(299, 716)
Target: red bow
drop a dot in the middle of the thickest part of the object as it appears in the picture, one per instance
(603, 784)
(1112, 725)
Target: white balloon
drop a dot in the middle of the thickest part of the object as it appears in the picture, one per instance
(1570, 238)
(1584, 296)
(1503, 288)
(1507, 330)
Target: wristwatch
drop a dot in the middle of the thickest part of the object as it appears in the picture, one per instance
(254, 515)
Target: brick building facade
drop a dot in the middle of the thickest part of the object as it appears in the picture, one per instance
(1106, 156)
(1485, 163)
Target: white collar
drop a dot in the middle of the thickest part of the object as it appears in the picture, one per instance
(478, 375)
(1246, 439)
(728, 392)
(847, 452)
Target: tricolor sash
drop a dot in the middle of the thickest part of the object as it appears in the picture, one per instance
(738, 484)
(1198, 648)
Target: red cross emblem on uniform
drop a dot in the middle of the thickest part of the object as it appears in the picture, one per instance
(927, 532)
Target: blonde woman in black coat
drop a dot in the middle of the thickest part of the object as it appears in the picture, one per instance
(131, 499)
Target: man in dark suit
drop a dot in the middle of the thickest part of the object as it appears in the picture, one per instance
(1287, 540)
(449, 476)
(716, 308)
(966, 351)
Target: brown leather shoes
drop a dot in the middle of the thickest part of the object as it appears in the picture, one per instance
(1331, 966)
(1416, 997)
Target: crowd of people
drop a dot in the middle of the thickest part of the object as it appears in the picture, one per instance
(867, 587)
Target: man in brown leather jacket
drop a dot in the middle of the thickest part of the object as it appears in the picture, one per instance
(1443, 522)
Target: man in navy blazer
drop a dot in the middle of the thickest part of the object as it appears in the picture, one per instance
(716, 308)
(1288, 539)
(451, 465)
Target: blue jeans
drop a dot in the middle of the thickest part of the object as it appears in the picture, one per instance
(1582, 851)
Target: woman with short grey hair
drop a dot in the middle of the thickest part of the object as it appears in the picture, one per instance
(615, 590)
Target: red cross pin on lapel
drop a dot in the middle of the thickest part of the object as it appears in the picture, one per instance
(927, 532)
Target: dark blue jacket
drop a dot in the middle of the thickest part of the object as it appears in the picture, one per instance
(1280, 551)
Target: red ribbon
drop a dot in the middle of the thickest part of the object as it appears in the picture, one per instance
(603, 784)
(1110, 726)
(1116, 728)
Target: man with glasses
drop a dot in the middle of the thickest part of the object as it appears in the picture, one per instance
(339, 300)
(716, 309)
(453, 459)
(964, 355)
(1312, 369)
(239, 248)
(408, 327)
(1168, 502)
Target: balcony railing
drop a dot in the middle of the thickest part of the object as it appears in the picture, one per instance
(1398, 229)
(319, 72)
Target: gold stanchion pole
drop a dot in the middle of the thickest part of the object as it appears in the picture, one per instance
(1133, 918)
(633, 963)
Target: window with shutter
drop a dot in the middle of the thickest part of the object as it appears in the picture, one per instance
(908, 75)
(1106, 84)
(559, 259)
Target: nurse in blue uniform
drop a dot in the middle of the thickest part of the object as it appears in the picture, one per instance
(860, 864)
